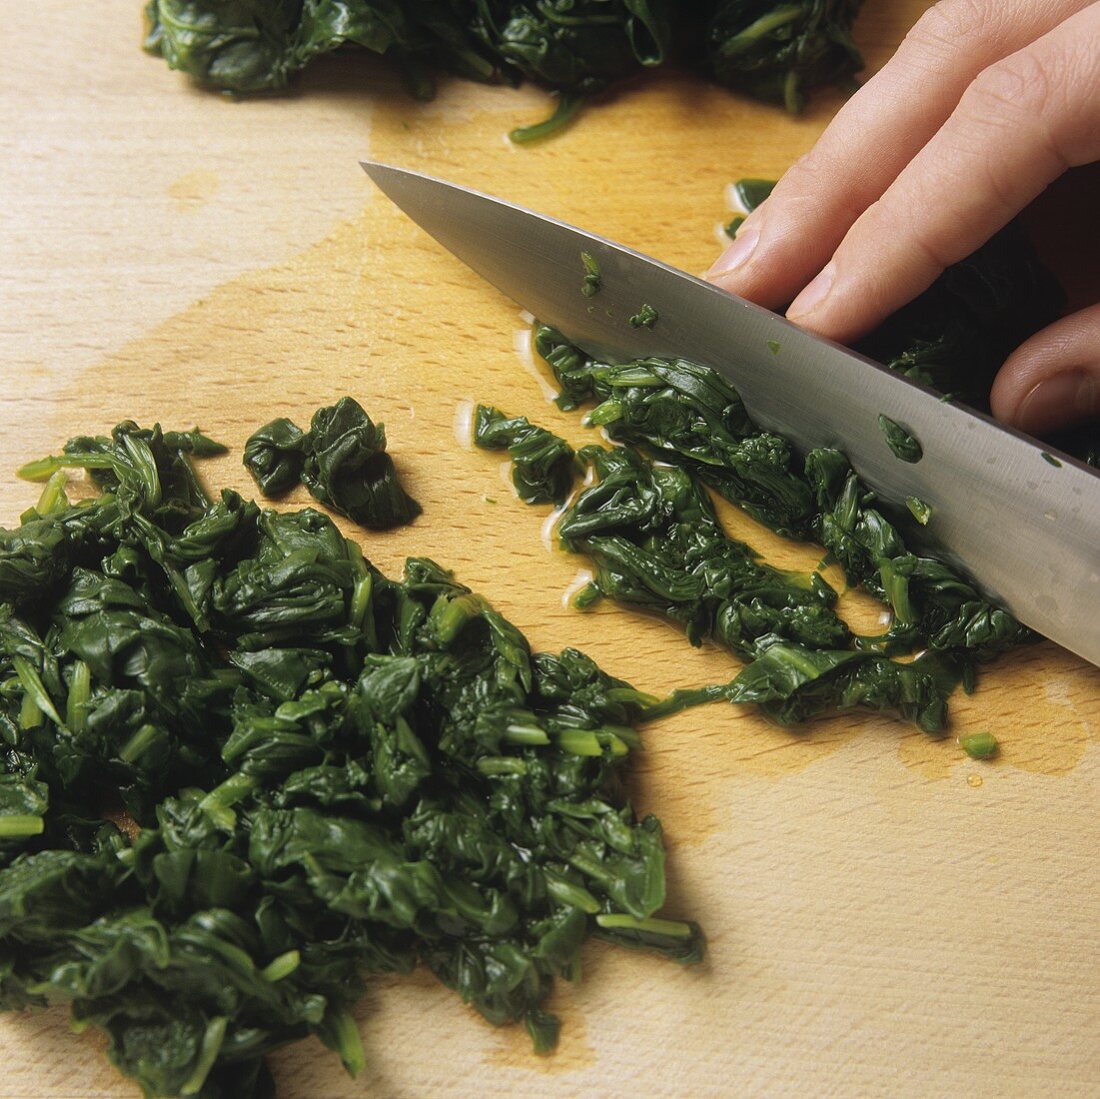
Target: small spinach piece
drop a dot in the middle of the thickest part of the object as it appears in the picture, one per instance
(592, 281)
(347, 468)
(274, 455)
(543, 467)
(979, 745)
(903, 445)
(342, 460)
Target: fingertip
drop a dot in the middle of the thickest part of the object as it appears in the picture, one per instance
(814, 298)
(1052, 381)
(726, 270)
(1058, 401)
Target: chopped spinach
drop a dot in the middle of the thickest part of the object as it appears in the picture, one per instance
(979, 745)
(920, 511)
(655, 544)
(328, 774)
(773, 50)
(646, 317)
(686, 414)
(794, 683)
(342, 460)
(542, 464)
(591, 283)
(275, 455)
(903, 445)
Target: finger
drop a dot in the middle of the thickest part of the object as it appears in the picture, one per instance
(1023, 122)
(877, 132)
(1053, 380)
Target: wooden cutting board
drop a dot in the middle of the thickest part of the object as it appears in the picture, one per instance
(885, 916)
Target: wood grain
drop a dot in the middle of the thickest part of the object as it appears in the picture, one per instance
(879, 923)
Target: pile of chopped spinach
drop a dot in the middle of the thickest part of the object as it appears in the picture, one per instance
(655, 543)
(243, 771)
(342, 460)
(773, 50)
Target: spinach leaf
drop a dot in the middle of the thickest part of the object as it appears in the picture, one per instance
(902, 444)
(275, 455)
(342, 460)
(542, 464)
(347, 468)
(776, 51)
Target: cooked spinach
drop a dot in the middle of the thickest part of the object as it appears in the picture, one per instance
(328, 774)
(902, 444)
(773, 50)
(931, 604)
(920, 511)
(776, 51)
(592, 281)
(979, 745)
(542, 464)
(275, 455)
(656, 544)
(689, 415)
(342, 460)
(646, 317)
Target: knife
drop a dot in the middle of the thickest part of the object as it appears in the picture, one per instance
(1020, 517)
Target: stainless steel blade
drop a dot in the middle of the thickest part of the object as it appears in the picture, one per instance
(1022, 519)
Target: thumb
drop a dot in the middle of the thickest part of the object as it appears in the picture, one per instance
(1053, 380)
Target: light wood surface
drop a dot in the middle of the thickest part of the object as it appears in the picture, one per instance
(885, 917)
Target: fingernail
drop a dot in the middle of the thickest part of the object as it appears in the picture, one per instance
(1058, 401)
(736, 255)
(814, 294)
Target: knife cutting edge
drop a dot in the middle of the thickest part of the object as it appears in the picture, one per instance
(1018, 516)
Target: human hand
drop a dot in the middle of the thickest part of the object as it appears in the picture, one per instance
(983, 105)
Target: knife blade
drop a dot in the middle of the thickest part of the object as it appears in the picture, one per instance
(1018, 516)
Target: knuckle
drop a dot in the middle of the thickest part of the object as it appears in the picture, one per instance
(1018, 85)
(948, 27)
(1023, 96)
(805, 175)
(814, 175)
